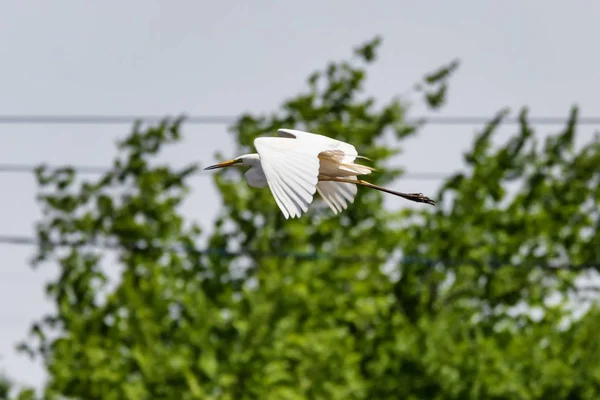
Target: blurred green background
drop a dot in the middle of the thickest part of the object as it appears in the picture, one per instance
(486, 296)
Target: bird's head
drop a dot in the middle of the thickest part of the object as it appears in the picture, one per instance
(247, 160)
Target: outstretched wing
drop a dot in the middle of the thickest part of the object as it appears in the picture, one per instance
(324, 142)
(337, 195)
(292, 171)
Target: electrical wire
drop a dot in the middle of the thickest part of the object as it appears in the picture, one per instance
(223, 119)
(137, 245)
(94, 170)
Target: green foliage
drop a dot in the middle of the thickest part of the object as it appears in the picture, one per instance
(5, 386)
(317, 307)
(9, 391)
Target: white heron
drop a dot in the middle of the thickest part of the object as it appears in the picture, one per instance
(297, 163)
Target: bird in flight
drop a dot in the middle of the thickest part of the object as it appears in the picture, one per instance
(296, 164)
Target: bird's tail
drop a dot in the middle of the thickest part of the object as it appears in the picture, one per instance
(357, 169)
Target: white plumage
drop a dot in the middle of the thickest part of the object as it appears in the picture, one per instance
(297, 164)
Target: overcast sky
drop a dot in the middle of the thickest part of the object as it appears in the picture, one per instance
(224, 58)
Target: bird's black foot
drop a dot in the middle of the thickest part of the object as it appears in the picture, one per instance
(421, 198)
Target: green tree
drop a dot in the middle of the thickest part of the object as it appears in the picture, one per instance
(10, 391)
(323, 306)
(5, 387)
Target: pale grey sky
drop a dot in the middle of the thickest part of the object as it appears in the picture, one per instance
(223, 58)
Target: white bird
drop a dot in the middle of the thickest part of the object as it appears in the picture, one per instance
(296, 164)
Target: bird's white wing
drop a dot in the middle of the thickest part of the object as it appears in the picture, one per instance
(324, 142)
(337, 195)
(292, 171)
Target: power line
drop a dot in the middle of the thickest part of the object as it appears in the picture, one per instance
(108, 119)
(221, 252)
(17, 240)
(30, 168)
(224, 119)
(94, 170)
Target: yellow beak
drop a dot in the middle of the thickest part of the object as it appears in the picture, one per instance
(223, 164)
